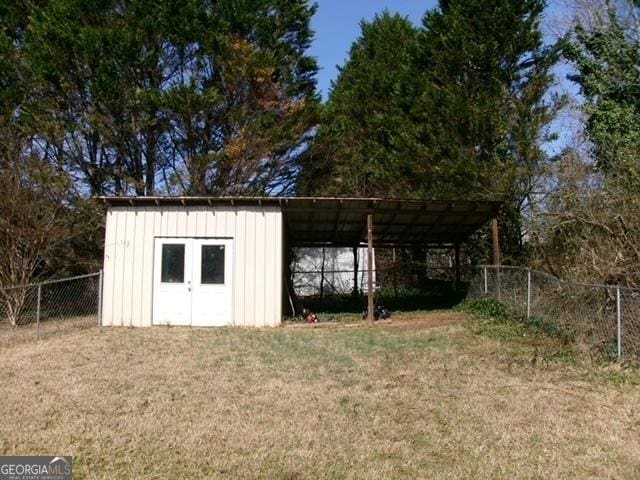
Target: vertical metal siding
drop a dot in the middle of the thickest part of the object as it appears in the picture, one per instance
(109, 270)
(257, 259)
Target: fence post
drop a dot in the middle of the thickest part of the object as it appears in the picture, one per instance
(100, 299)
(486, 283)
(38, 311)
(528, 293)
(619, 318)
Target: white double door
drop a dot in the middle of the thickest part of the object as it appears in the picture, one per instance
(192, 282)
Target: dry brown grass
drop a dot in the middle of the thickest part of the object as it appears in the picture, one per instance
(28, 333)
(370, 402)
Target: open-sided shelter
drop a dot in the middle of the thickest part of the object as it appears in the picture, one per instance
(218, 261)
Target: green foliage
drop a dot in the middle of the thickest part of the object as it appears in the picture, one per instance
(607, 59)
(496, 320)
(188, 97)
(594, 230)
(359, 147)
(454, 109)
(485, 308)
(141, 97)
(483, 107)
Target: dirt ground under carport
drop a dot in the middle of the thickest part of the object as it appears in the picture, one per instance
(418, 320)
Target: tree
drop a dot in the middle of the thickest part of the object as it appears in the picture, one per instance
(39, 212)
(189, 97)
(246, 108)
(592, 230)
(484, 105)
(607, 60)
(455, 109)
(33, 222)
(141, 97)
(359, 147)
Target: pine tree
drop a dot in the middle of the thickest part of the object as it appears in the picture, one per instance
(485, 76)
(358, 148)
(176, 97)
(484, 104)
(455, 109)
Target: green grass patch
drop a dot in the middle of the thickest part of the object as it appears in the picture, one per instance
(536, 337)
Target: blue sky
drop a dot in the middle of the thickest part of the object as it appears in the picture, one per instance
(337, 25)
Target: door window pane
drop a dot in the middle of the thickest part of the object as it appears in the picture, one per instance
(172, 263)
(212, 268)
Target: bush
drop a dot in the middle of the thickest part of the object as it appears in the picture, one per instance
(487, 308)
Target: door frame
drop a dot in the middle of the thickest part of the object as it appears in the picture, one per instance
(228, 240)
(197, 244)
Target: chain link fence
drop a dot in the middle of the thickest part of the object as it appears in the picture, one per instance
(400, 284)
(42, 310)
(605, 318)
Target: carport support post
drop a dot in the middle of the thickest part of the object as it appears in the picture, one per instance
(395, 276)
(496, 241)
(456, 282)
(355, 271)
(495, 237)
(370, 292)
(528, 293)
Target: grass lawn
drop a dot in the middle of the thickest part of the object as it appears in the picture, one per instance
(431, 396)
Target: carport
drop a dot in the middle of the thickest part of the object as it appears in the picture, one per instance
(387, 223)
(215, 261)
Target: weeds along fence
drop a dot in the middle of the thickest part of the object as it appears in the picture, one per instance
(42, 310)
(605, 318)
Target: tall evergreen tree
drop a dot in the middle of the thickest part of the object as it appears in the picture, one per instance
(455, 109)
(187, 97)
(358, 150)
(484, 104)
(478, 58)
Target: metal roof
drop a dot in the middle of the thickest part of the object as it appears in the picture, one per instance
(341, 222)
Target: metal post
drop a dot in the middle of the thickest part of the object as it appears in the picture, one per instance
(486, 282)
(619, 318)
(395, 276)
(528, 293)
(457, 267)
(322, 275)
(370, 292)
(38, 311)
(100, 299)
(495, 240)
(355, 271)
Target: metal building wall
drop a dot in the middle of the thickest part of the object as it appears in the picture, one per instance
(257, 259)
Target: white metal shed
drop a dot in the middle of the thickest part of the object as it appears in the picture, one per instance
(217, 261)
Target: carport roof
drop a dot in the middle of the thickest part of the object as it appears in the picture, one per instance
(342, 222)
